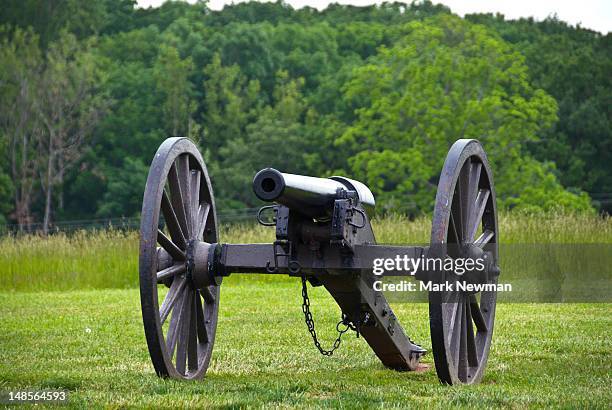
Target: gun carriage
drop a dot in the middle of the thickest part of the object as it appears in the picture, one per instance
(324, 237)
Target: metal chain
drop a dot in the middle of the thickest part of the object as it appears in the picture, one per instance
(311, 325)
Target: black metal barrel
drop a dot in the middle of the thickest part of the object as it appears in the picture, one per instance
(310, 196)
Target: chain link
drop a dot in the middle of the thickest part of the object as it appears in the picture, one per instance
(311, 324)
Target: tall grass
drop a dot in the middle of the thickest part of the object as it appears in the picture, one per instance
(555, 228)
(95, 259)
(109, 259)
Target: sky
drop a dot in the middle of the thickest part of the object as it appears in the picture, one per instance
(593, 14)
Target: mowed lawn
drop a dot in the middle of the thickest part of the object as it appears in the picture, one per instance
(91, 343)
(84, 334)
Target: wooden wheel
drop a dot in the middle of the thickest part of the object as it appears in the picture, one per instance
(178, 209)
(461, 323)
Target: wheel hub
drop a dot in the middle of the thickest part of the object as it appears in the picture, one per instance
(482, 267)
(199, 263)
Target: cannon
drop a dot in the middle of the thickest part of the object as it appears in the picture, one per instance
(325, 238)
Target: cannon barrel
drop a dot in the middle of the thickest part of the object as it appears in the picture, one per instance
(310, 196)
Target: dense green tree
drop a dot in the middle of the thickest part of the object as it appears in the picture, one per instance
(171, 10)
(172, 80)
(276, 139)
(445, 80)
(252, 13)
(6, 186)
(124, 194)
(81, 18)
(230, 104)
(19, 134)
(377, 92)
(133, 128)
(573, 65)
(69, 105)
(249, 47)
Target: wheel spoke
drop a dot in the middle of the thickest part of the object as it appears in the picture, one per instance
(176, 232)
(170, 247)
(201, 322)
(477, 212)
(454, 331)
(192, 345)
(170, 272)
(208, 295)
(454, 230)
(484, 238)
(174, 326)
(195, 181)
(460, 207)
(177, 196)
(203, 212)
(184, 174)
(462, 362)
(471, 342)
(183, 335)
(479, 321)
(174, 294)
(474, 179)
(464, 198)
(457, 221)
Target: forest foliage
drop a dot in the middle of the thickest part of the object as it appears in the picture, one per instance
(88, 90)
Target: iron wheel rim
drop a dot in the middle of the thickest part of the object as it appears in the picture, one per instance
(177, 162)
(460, 359)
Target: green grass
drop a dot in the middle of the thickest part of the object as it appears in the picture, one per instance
(109, 259)
(545, 356)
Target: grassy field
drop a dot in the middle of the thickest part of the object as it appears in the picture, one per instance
(70, 319)
(543, 355)
(109, 259)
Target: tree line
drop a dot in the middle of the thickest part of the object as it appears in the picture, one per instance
(88, 90)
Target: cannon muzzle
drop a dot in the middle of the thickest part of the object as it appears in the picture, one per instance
(310, 196)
